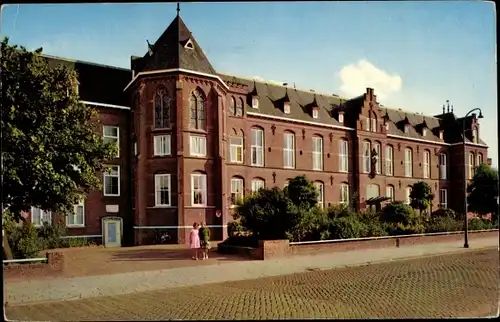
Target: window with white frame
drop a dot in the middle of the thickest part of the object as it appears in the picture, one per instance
(286, 108)
(317, 152)
(341, 118)
(366, 157)
(257, 147)
(374, 124)
(408, 193)
(408, 163)
(198, 189)
(407, 128)
(343, 156)
(377, 158)
(315, 113)
(162, 190)
(372, 191)
(236, 149)
(442, 166)
(111, 180)
(255, 102)
(161, 145)
(111, 134)
(389, 192)
(344, 194)
(77, 217)
(479, 159)
(39, 217)
(198, 146)
(443, 198)
(258, 184)
(367, 123)
(471, 165)
(441, 135)
(389, 160)
(320, 187)
(426, 164)
(289, 151)
(424, 131)
(236, 190)
(135, 148)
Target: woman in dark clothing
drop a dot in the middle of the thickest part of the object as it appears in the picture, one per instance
(204, 239)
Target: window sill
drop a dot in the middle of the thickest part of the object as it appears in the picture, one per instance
(161, 156)
(318, 170)
(288, 167)
(75, 226)
(107, 195)
(163, 206)
(343, 171)
(236, 162)
(198, 155)
(257, 165)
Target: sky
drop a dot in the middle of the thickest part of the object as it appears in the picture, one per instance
(416, 55)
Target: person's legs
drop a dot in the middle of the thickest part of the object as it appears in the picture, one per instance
(195, 253)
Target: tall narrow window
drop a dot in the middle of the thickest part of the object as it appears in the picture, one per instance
(443, 198)
(426, 164)
(366, 157)
(111, 134)
(239, 107)
(162, 110)
(77, 217)
(198, 146)
(372, 191)
(389, 192)
(198, 189)
(232, 106)
(442, 166)
(39, 217)
(374, 124)
(479, 159)
(408, 163)
(258, 184)
(408, 193)
(344, 194)
(471, 165)
(321, 193)
(289, 150)
(389, 161)
(111, 180)
(343, 156)
(162, 190)
(377, 158)
(197, 108)
(236, 149)
(317, 153)
(236, 190)
(257, 147)
(474, 135)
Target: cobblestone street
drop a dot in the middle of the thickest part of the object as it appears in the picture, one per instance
(456, 285)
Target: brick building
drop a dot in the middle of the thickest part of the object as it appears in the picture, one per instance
(193, 140)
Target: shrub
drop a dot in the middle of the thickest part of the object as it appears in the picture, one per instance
(339, 211)
(24, 242)
(375, 229)
(234, 228)
(402, 229)
(398, 212)
(242, 241)
(446, 213)
(443, 223)
(479, 224)
(79, 242)
(348, 227)
(50, 235)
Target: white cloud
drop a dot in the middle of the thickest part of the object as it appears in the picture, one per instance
(260, 79)
(356, 78)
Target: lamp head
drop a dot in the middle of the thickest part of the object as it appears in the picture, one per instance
(480, 115)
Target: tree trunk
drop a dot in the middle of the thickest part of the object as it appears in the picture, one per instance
(7, 252)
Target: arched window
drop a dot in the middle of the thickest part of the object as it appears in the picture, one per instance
(373, 122)
(257, 184)
(378, 156)
(366, 157)
(389, 160)
(197, 108)
(232, 106)
(162, 110)
(320, 188)
(427, 164)
(239, 107)
(389, 192)
(408, 163)
(237, 188)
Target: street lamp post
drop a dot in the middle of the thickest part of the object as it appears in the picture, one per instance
(466, 223)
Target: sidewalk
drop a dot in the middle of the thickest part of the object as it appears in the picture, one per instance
(126, 283)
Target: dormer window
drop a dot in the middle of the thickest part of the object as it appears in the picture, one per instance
(315, 112)
(189, 44)
(441, 134)
(424, 131)
(286, 108)
(341, 117)
(407, 128)
(255, 102)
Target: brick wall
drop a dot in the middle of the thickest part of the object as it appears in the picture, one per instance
(55, 265)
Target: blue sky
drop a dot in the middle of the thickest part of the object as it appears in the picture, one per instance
(415, 54)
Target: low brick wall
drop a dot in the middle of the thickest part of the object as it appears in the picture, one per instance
(270, 249)
(55, 264)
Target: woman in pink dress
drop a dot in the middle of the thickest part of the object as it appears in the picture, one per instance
(194, 240)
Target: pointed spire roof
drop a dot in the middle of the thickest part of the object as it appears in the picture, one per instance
(176, 48)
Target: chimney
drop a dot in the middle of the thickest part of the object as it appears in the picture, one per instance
(369, 93)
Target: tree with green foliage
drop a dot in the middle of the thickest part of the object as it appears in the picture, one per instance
(483, 191)
(421, 196)
(51, 152)
(397, 212)
(302, 192)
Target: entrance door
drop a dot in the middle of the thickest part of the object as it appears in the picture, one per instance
(112, 232)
